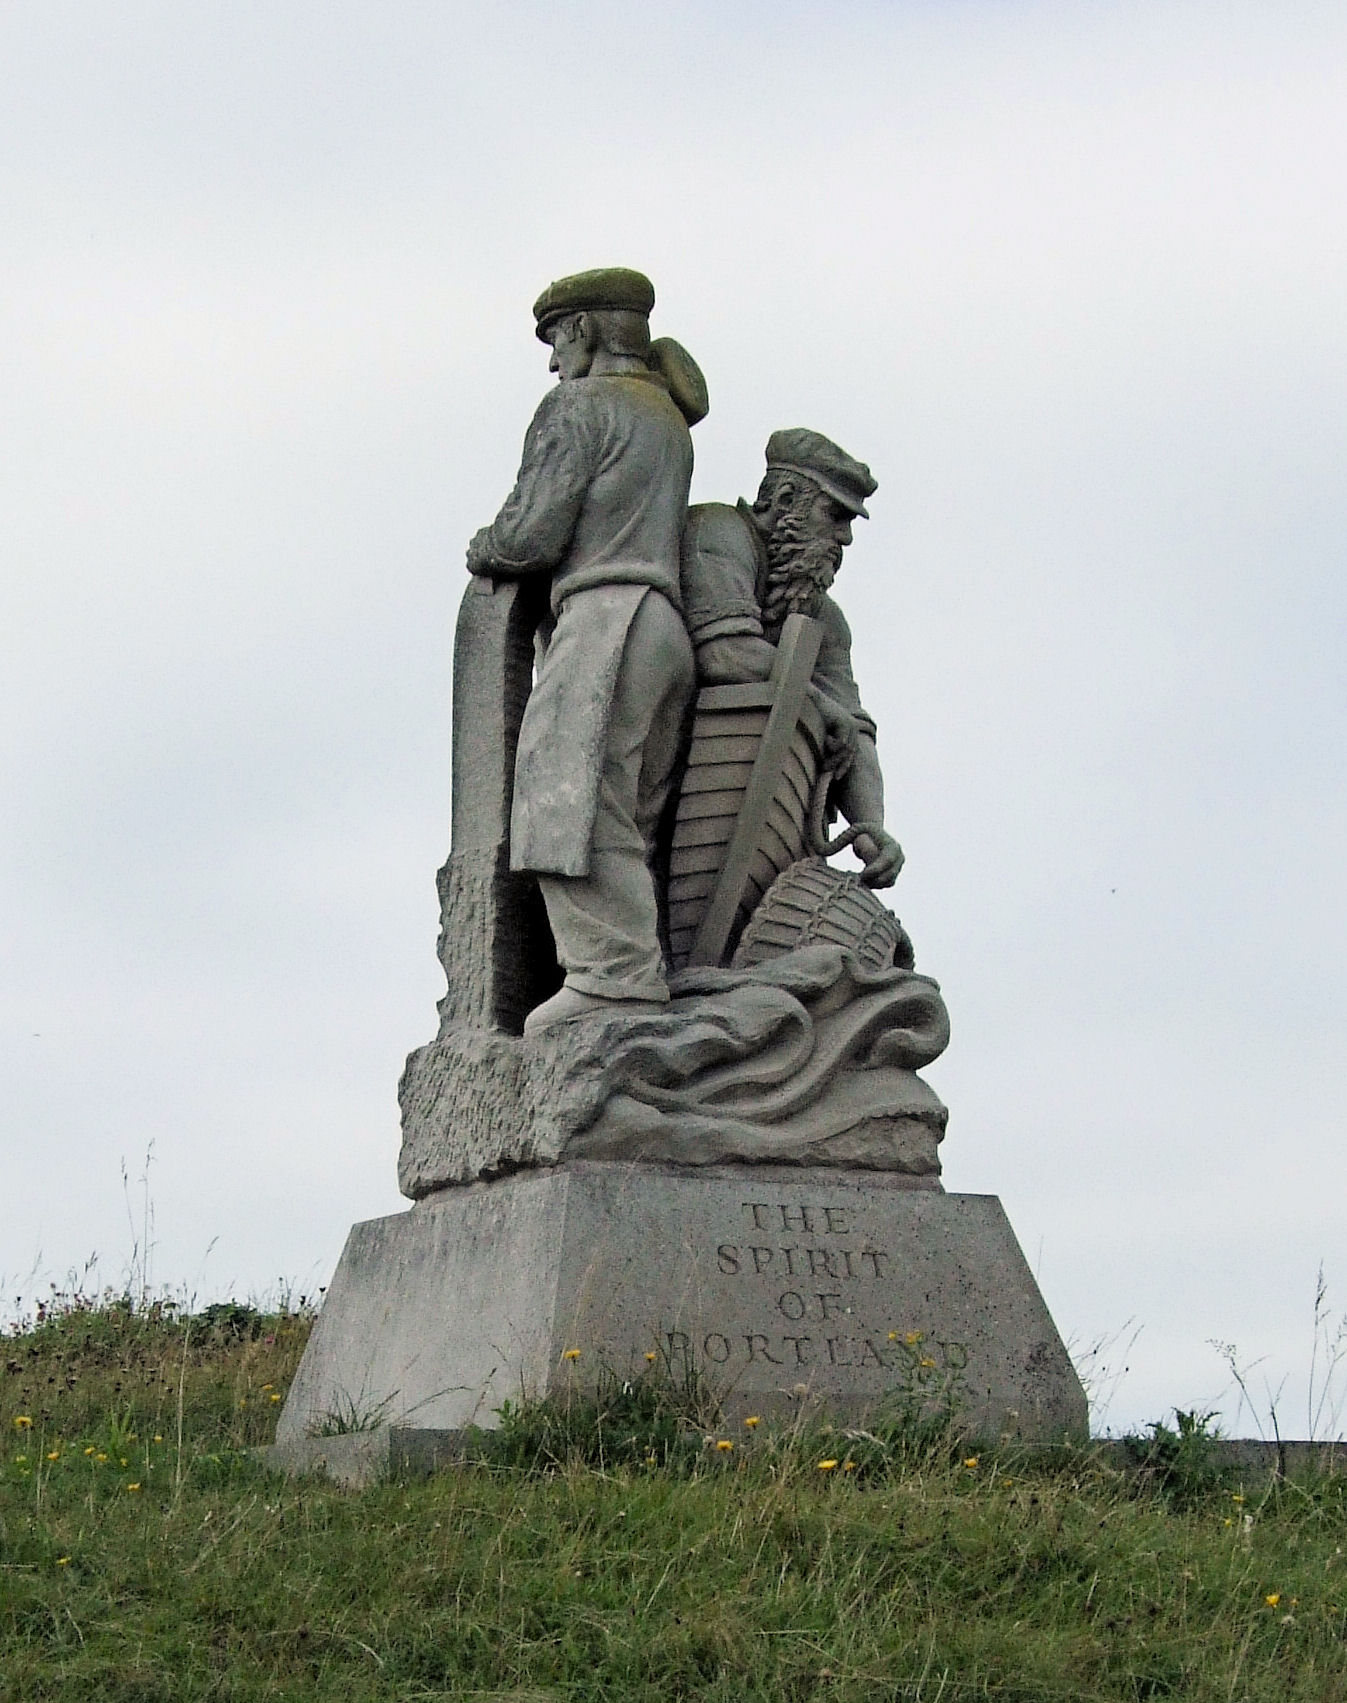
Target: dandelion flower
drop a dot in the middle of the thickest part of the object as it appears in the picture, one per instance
(752, 1421)
(571, 1354)
(650, 1357)
(1272, 1598)
(89, 1450)
(274, 1396)
(100, 1456)
(848, 1466)
(926, 1361)
(972, 1463)
(62, 1560)
(912, 1338)
(23, 1422)
(158, 1438)
(826, 1466)
(133, 1487)
(724, 1445)
(124, 1460)
(53, 1454)
(893, 1336)
(1235, 1496)
(268, 1386)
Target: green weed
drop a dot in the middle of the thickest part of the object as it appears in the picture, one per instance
(1182, 1464)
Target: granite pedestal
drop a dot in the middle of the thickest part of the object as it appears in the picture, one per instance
(780, 1284)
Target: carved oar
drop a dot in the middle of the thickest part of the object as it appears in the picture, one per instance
(796, 653)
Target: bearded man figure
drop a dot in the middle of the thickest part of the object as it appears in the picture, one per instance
(745, 568)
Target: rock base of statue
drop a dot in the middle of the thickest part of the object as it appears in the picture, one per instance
(810, 1059)
(772, 1286)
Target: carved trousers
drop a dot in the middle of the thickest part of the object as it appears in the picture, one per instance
(606, 923)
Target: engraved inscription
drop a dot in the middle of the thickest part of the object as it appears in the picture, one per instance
(815, 1290)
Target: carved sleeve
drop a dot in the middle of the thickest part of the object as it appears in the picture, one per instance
(534, 527)
(719, 576)
(832, 671)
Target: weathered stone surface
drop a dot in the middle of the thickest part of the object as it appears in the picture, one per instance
(807, 1059)
(494, 942)
(780, 1284)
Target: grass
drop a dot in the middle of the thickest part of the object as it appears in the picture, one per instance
(146, 1555)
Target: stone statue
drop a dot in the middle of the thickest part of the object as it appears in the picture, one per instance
(745, 569)
(673, 1105)
(598, 512)
(693, 726)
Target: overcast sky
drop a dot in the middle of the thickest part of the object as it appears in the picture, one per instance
(1070, 277)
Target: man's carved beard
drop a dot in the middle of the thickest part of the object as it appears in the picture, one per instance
(800, 568)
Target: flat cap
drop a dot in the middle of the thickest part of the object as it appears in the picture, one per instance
(798, 450)
(610, 287)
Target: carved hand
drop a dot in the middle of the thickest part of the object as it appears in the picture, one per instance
(479, 552)
(883, 857)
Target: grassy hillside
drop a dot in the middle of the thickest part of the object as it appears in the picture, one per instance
(145, 1555)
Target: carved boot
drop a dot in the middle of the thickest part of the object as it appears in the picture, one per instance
(570, 1003)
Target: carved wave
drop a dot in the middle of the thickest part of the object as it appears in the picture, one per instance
(802, 1059)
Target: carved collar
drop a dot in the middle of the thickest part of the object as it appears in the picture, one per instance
(745, 509)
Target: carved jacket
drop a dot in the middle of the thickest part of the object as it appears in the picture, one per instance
(724, 571)
(599, 505)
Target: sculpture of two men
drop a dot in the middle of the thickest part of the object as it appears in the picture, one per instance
(649, 599)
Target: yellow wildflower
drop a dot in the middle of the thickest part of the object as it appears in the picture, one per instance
(274, 1396)
(158, 1438)
(133, 1487)
(21, 1460)
(571, 1354)
(848, 1466)
(1272, 1598)
(23, 1422)
(62, 1560)
(53, 1454)
(826, 1466)
(650, 1357)
(912, 1338)
(893, 1336)
(124, 1460)
(1235, 1496)
(752, 1421)
(100, 1457)
(972, 1463)
(724, 1445)
(926, 1361)
(650, 1460)
(89, 1450)
(268, 1386)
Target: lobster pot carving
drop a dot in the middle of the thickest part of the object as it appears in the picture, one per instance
(813, 903)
